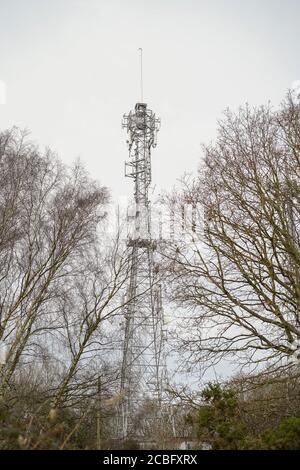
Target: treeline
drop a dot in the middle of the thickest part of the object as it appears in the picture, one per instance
(61, 289)
(248, 413)
(233, 284)
(236, 276)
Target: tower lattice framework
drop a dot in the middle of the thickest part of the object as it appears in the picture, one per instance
(143, 372)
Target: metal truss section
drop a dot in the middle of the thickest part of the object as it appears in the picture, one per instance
(144, 372)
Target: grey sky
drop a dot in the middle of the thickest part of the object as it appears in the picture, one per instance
(71, 71)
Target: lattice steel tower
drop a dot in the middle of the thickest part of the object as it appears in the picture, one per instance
(143, 372)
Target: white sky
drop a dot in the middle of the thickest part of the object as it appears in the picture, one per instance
(71, 70)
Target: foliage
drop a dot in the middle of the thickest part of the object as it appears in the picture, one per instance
(218, 419)
(228, 419)
(286, 436)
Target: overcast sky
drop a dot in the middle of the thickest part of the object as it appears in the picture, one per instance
(71, 70)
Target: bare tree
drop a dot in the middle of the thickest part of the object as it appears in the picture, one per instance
(63, 280)
(239, 276)
(49, 218)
